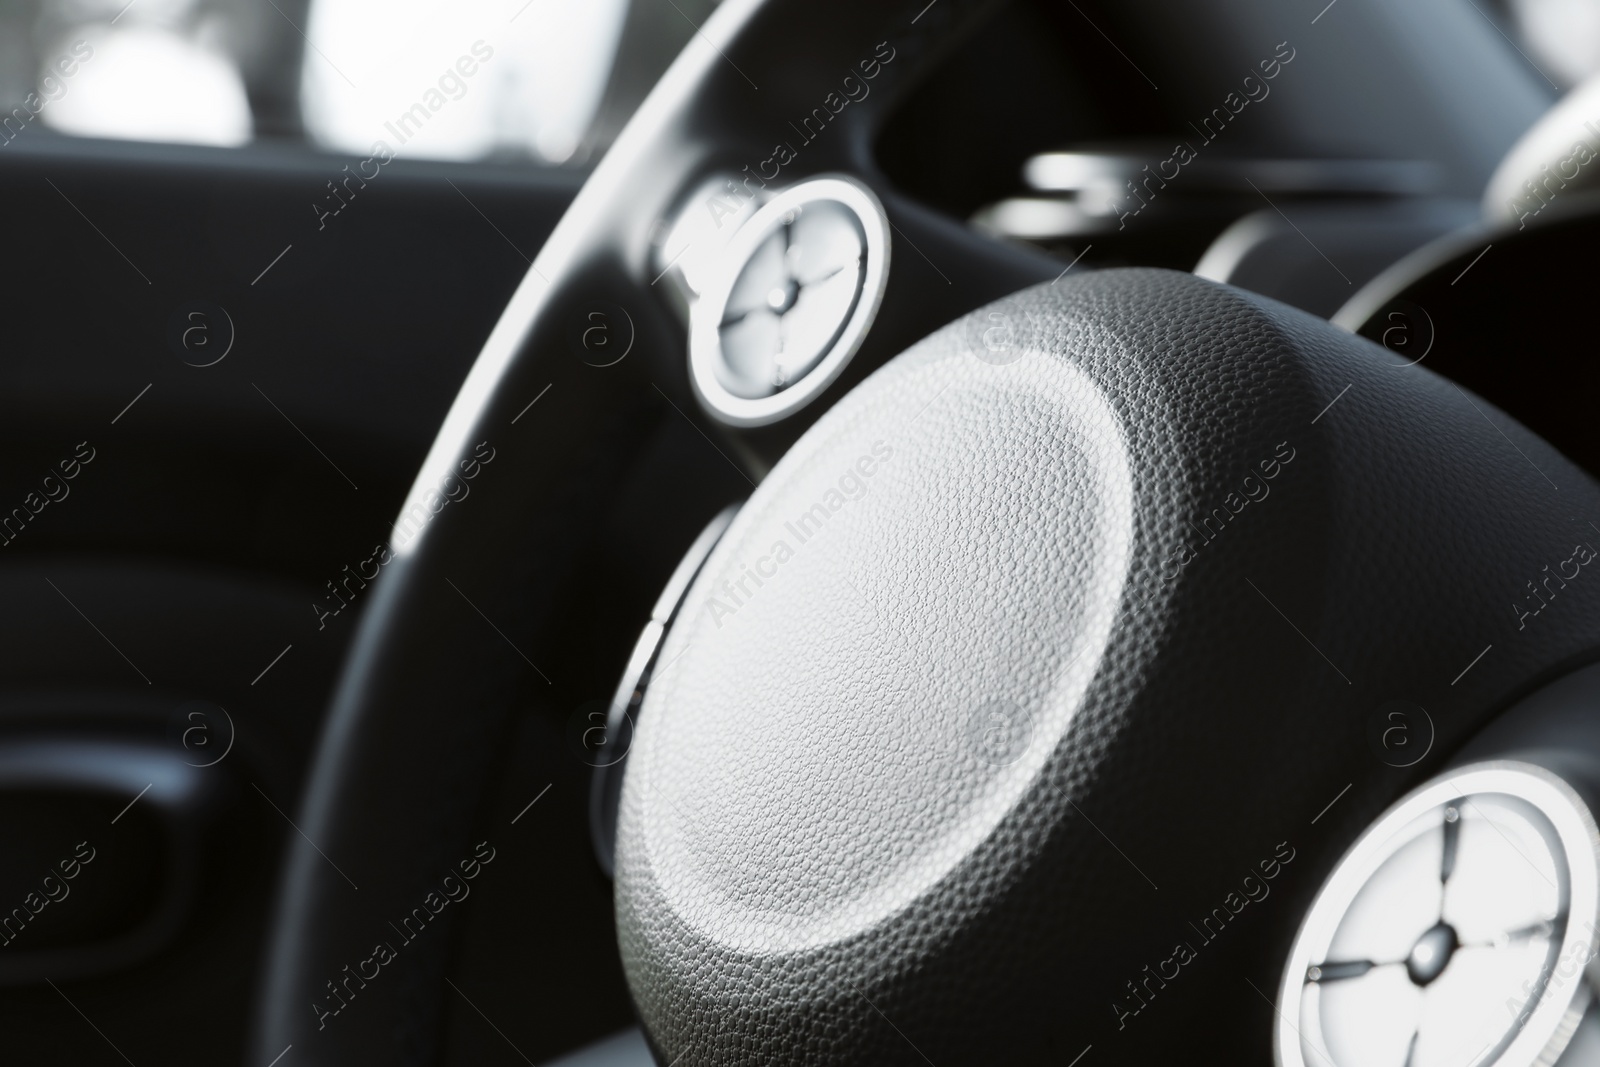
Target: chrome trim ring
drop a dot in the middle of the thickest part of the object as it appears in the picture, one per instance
(1524, 854)
(706, 357)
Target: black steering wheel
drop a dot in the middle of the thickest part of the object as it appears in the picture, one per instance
(1036, 647)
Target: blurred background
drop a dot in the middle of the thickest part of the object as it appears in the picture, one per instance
(541, 87)
(329, 74)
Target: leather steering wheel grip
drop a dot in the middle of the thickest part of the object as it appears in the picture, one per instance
(1038, 645)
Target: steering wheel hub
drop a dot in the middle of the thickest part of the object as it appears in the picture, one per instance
(905, 619)
(972, 686)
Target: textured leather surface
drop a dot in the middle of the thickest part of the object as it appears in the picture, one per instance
(1096, 634)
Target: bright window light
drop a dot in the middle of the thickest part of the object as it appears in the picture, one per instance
(458, 81)
(1564, 35)
(147, 84)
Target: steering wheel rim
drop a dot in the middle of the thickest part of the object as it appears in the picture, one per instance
(392, 783)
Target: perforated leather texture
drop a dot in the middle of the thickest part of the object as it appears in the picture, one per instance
(1039, 644)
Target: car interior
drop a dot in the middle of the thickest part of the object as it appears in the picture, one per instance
(754, 532)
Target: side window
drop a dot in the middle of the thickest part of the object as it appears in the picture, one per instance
(463, 80)
(150, 71)
(544, 81)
